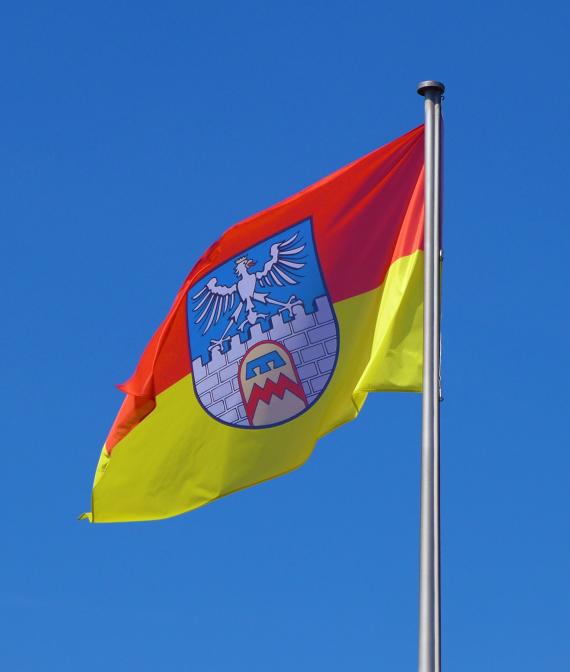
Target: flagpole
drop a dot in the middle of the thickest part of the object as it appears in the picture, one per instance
(429, 607)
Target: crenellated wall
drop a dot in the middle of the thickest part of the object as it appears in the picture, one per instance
(311, 338)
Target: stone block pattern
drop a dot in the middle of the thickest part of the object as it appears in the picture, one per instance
(311, 338)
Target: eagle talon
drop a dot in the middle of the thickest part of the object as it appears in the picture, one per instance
(218, 344)
(293, 301)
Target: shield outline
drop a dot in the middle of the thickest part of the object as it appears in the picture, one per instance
(319, 269)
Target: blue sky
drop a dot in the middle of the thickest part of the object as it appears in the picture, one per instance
(133, 134)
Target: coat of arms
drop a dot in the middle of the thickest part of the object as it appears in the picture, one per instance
(263, 334)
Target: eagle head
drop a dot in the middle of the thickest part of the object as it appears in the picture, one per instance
(242, 264)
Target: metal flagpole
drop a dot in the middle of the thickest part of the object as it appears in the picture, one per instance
(429, 611)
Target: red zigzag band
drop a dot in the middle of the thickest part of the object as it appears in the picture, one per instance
(271, 389)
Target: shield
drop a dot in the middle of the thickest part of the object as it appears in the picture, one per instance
(263, 334)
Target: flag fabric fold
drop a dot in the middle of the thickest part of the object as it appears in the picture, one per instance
(275, 338)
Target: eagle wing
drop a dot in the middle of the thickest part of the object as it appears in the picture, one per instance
(213, 301)
(284, 265)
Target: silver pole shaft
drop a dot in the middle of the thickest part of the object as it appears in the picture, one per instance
(429, 608)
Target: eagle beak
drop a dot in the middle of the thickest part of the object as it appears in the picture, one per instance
(250, 263)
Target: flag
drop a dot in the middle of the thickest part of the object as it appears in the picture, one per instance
(275, 338)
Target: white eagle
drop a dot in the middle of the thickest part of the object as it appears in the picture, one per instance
(281, 270)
